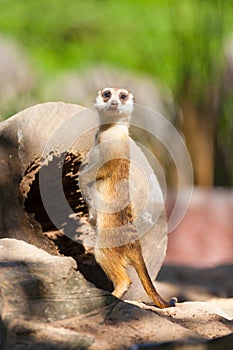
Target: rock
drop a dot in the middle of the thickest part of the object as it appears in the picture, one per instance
(37, 336)
(215, 344)
(189, 314)
(23, 268)
(39, 289)
(45, 303)
(23, 139)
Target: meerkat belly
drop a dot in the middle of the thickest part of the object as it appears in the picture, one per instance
(112, 186)
(120, 253)
(115, 229)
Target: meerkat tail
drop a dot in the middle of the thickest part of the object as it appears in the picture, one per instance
(138, 263)
(148, 285)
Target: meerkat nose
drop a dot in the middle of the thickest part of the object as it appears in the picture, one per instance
(114, 103)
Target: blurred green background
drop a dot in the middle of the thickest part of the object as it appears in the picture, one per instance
(185, 46)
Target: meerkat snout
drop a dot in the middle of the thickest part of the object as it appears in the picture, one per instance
(114, 103)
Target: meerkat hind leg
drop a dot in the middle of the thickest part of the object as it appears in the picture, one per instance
(121, 283)
(120, 279)
(114, 267)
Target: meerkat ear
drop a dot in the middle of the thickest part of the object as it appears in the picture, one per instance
(131, 94)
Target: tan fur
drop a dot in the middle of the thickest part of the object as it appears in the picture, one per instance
(116, 227)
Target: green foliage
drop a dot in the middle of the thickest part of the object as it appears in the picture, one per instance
(178, 42)
(199, 39)
(162, 38)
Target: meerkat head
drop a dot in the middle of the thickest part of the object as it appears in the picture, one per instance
(115, 102)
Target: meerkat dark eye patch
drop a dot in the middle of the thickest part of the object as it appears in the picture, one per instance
(106, 94)
(123, 96)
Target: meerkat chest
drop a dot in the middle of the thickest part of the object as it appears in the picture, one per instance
(112, 176)
(112, 132)
(113, 144)
(112, 180)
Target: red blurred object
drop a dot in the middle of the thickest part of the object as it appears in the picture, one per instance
(204, 238)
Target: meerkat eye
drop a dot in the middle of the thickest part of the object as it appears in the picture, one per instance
(123, 96)
(106, 94)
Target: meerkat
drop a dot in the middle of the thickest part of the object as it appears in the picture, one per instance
(117, 244)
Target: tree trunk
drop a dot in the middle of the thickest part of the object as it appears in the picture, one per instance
(199, 131)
